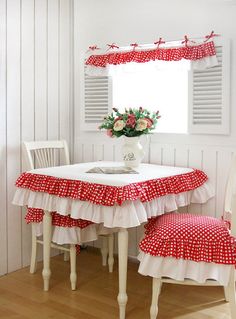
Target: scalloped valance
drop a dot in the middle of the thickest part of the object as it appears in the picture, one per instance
(201, 55)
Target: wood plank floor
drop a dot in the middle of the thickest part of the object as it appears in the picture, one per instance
(21, 294)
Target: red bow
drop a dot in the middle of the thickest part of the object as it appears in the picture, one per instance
(134, 45)
(112, 46)
(186, 41)
(211, 35)
(159, 42)
(94, 47)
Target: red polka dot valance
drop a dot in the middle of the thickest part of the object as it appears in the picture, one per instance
(192, 53)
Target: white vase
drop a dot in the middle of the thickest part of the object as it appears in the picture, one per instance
(132, 151)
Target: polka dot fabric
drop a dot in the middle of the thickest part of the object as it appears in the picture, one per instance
(192, 53)
(111, 195)
(190, 237)
(35, 215)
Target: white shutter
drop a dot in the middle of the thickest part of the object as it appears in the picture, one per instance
(209, 103)
(97, 100)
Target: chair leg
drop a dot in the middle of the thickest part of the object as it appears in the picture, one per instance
(66, 256)
(33, 262)
(73, 275)
(226, 293)
(111, 252)
(104, 250)
(47, 238)
(231, 294)
(156, 288)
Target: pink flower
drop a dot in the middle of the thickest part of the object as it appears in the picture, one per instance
(109, 133)
(149, 122)
(131, 121)
(119, 125)
(141, 125)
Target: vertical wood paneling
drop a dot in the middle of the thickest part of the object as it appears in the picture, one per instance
(53, 69)
(98, 152)
(109, 152)
(64, 62)
(41, 124)
(77, 80)
(181, 156)
(181, 159)
(145, 141)
(209, 162)
(30, 76)
(223, 165)
(195, 161)
(13, 130)
(3, 159)
(27, 101)
(168, 156)
(87, 152)
(155, 153)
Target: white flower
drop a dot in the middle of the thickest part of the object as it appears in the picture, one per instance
(141, 125)
(119, 125)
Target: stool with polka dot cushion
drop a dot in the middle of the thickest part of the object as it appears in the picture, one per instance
(192, 249)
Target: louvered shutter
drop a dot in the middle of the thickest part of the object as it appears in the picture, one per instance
(209, 91)
(97, 100)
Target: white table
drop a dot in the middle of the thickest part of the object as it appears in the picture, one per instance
(117, 201)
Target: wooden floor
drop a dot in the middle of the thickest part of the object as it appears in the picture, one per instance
(21, 294)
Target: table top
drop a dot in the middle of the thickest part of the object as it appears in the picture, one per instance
(74, 182)
(79, 172)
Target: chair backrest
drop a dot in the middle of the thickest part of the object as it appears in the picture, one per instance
(45, 153)
(230, 195)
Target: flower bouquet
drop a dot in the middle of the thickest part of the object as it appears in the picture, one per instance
(133, 122)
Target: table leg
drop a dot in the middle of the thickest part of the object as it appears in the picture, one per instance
(47, 236)
(123, 259)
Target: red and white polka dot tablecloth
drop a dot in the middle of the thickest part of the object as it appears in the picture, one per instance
(106, 201)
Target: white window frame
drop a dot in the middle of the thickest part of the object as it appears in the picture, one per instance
(193, 128)
(222, 97)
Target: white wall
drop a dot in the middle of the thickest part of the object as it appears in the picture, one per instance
(35, 102)
(124, 22)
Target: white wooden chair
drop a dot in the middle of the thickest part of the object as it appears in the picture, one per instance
(169, 269)
(43, 154)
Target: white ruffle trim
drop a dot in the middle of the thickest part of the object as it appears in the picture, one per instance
(180, 269)
(129, 214)
(75, 235)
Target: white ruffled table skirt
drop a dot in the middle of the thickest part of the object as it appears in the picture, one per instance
(106, 219)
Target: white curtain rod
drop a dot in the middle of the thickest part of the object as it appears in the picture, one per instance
(167, 43)
(171, 42)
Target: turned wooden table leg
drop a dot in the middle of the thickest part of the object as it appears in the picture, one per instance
(123, 259)
(47, 236)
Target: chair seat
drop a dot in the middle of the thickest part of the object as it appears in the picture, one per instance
(35, 215)
(189, 237)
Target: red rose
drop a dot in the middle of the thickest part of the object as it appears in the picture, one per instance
(131, 121)
(149, 122)
(118, 118)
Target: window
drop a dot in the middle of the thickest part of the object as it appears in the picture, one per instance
(163, 87)
(189, 101)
